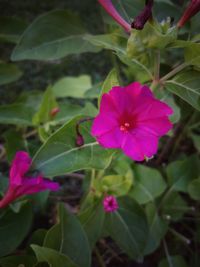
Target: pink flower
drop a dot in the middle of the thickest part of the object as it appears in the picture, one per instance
(131, 119)
(111, 10)
(110, 204)
(20, 185)
(192, 9)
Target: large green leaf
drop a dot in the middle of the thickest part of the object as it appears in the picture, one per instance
(69, 238)
(149, 184)
(128, 227)
(10, 232)
(11, 29)
(181, 173)
(186, 86)
(9, 73)
(51, 36)
(60, 155)
(192, 54)
(92, 219)
(52, 257)
(72, 86)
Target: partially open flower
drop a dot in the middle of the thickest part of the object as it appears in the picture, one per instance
(110, 204)
(192, 9)
(111, 10)
(20, 184)
(133, 120)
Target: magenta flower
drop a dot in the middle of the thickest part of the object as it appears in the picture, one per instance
(111, 10)
(20, 185)
(110, 204)
(131, 119)
(192, 9)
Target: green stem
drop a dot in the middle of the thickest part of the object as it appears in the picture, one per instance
(99, 258)
(180, 236)
(167, 254)
(173, 72)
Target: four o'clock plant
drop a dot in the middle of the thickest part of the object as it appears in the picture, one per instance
(107, 174)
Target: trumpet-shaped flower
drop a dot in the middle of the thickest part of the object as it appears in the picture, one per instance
(20, 184)
(192, 9)
(111, 10)
(133, 120)
(110, 204)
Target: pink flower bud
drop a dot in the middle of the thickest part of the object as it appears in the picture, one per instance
(110, 204)
(54, 111)
(192, 9)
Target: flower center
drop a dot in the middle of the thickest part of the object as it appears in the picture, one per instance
(125, 127)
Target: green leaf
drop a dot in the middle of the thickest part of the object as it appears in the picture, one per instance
(11, 234)
(194, 189)
(60, 155)
(38, 237)
(192, 54)
(92, 220)
(186, 86)
(181, 173)
(17, 114)
(110, 81)
(69, 238)
(173, 261)
(48, 103)
(52, 257)
(72, 86)
(157, 229)
(128, 227)
(9, 73)
(18, 261)
(11, 29)
(52, 36)
(149, 184)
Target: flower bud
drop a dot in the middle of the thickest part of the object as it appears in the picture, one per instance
(192, 9)
(54, 111)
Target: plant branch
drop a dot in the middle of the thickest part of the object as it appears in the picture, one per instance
(173, 72)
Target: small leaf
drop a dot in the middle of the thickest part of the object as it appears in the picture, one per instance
(9, 73)
(51, 36)
(110, 81)
(48, 103)
(69, 238)
(72, 86)
(149, 184)
(52, 257)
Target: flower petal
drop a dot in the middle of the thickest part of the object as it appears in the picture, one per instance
(112, 139)
(102, 124)
(158, 126)
(19, 167)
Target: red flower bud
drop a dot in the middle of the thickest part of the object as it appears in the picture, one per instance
(192, 9)
(143, 17)
(54, 111)
(79, 140)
